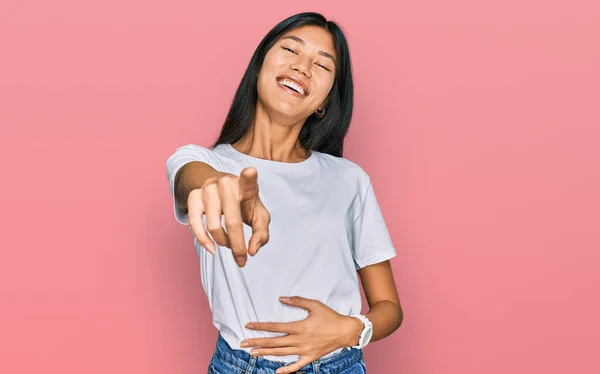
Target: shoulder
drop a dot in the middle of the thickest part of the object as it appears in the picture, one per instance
(193, 148)
(351, 172)
(215, 157)
(220, 151)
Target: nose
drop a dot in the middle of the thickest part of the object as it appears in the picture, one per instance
(302, 66)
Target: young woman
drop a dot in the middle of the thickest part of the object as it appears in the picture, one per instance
(275, 187)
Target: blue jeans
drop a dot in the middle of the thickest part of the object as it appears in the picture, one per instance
(226, 360)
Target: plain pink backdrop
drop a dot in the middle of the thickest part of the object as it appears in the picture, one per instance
(478, 122)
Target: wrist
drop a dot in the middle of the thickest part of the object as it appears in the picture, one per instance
(352, 331)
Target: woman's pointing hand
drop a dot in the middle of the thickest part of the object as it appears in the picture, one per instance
(236, 200)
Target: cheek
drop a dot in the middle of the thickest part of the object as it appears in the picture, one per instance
(324, 87)
(264, 77)
(262, 87)
(267, 90)
(273, 62)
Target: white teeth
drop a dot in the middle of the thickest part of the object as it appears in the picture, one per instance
(293, 85)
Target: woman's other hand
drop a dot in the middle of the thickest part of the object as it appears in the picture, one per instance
(235, 198)
(322, 332)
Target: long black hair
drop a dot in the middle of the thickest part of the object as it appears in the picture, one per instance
(325, 134)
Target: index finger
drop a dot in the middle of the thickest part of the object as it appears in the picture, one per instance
(233, 224)
(284, 327)
(248, 183)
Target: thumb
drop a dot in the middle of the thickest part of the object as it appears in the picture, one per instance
(254, 244)
(248, 183)
(260, 232)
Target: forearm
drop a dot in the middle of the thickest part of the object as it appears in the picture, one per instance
(192, 176)
(386, 318)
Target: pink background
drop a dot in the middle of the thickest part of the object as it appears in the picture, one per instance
(478, 123)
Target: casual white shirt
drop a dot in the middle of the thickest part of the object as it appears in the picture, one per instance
(325, 225)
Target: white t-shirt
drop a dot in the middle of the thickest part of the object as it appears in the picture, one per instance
(325, 224)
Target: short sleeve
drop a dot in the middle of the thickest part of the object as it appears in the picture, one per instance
(176, 161)
(371, 239)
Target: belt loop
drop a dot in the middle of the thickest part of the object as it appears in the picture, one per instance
(316, 366)
(251, 364)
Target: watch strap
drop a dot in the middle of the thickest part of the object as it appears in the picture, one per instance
(368, 326)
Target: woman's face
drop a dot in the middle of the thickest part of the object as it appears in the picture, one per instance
(298, 72)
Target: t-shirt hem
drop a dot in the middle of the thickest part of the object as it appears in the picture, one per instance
(180, 215)
(380, 257)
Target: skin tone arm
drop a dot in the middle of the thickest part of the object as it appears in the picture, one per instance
(385, 311)
(192, 176)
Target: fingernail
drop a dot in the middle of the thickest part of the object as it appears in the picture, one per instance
(253, 353)
(211, 247)
(244, 344)
(250, 326)
(284, 298)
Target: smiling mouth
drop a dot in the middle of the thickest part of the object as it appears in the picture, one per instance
(293, 86)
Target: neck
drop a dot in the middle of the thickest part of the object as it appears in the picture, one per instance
(273, 137)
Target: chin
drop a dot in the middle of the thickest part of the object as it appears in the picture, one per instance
(281, 105)
(284, 109)
(291, 114)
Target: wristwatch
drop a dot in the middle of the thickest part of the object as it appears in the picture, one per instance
(367, 332)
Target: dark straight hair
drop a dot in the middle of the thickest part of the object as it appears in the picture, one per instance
(325, 134)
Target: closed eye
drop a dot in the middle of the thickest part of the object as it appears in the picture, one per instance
(324, 67)
(292, 51)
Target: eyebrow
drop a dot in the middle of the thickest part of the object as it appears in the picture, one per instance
(322, 53)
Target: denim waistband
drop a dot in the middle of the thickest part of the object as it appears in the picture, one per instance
(251, 365)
